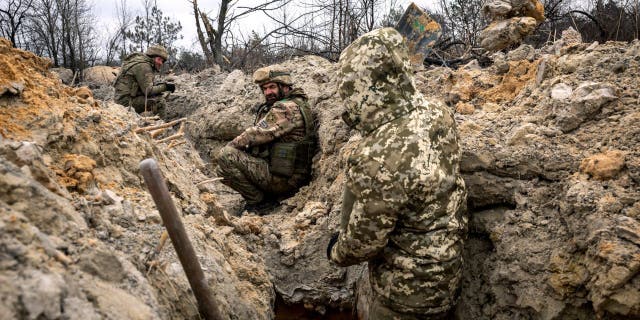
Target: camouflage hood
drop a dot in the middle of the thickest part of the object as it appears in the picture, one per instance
(135, 58)
(297, 92)
(375, 80)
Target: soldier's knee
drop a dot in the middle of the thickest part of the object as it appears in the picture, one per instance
(226, 156)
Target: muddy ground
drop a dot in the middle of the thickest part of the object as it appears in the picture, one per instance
(550, 139)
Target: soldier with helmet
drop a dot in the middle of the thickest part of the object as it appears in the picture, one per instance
(273, 157)
(134, 86)
(404, 202)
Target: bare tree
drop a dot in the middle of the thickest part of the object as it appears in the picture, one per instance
(462, 19)
(44, 29)
(203, 43)
(227, 17)
(116, 42)
(13, 13)
(326, 27)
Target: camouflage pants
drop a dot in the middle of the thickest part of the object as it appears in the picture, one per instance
(373, 306)
(250, 176)
(155, 104)
(379, 311)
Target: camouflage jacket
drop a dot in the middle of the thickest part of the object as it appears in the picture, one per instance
(282, 122)
(136, 78)
(408, 216)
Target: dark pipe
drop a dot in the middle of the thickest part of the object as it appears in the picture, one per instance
(160, 194)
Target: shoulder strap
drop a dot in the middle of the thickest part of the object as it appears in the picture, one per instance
(263, 107)
(307, 116)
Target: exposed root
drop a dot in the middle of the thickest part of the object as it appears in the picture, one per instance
(157, 132)
(163, 240)
(151, 118)
(160, 126)
(173, 137)
(207, 181)
(175, 144)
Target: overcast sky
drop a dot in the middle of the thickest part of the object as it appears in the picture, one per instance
(182, 10)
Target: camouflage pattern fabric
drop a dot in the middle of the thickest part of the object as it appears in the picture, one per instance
(250, 176)
(379, 310)
(135, 79)
(282, 121)
(244, 165)
(408, 217)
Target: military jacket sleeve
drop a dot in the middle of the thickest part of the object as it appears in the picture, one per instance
(143, 73)
(379, 199)
(283, 118)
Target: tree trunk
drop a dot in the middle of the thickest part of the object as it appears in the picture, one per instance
(211, 34)
(222, 17)
(207, 53)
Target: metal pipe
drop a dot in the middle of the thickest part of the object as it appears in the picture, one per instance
(171, 219)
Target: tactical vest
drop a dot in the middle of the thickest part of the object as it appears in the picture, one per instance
(289, 158)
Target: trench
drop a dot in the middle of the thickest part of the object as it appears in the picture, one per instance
(297, 311)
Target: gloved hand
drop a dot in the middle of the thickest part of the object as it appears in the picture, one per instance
(170, 86)
(332, 242)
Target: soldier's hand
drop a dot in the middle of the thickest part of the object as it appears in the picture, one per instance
(234, 144)
(170, 86)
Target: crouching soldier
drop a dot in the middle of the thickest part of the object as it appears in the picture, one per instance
(273, 157)
(134, 86)
(404, 201)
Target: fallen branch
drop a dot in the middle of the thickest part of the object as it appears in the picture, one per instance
(208, 180)
(176, 143)
(163, 239)
(173, 137)
(160, 126)
(157, 132)
(151, 118)
(181, 129)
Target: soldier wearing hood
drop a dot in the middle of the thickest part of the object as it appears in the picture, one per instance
(404, 202)
(134, 85)
(273, 157)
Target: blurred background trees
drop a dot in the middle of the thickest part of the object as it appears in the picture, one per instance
(66, 31)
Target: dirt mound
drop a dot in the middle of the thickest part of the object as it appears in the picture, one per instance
(100, 75)
(80, 237)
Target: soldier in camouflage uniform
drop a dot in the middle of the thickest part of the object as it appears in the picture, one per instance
(404, 202)
(273, 157)
(134, 85)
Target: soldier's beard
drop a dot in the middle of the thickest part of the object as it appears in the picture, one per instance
(273, 97)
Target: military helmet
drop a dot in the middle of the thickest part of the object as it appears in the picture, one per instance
(157, 51)
(272, 74)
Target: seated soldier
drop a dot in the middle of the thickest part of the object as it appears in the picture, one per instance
(273, 157)
(134, 85)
